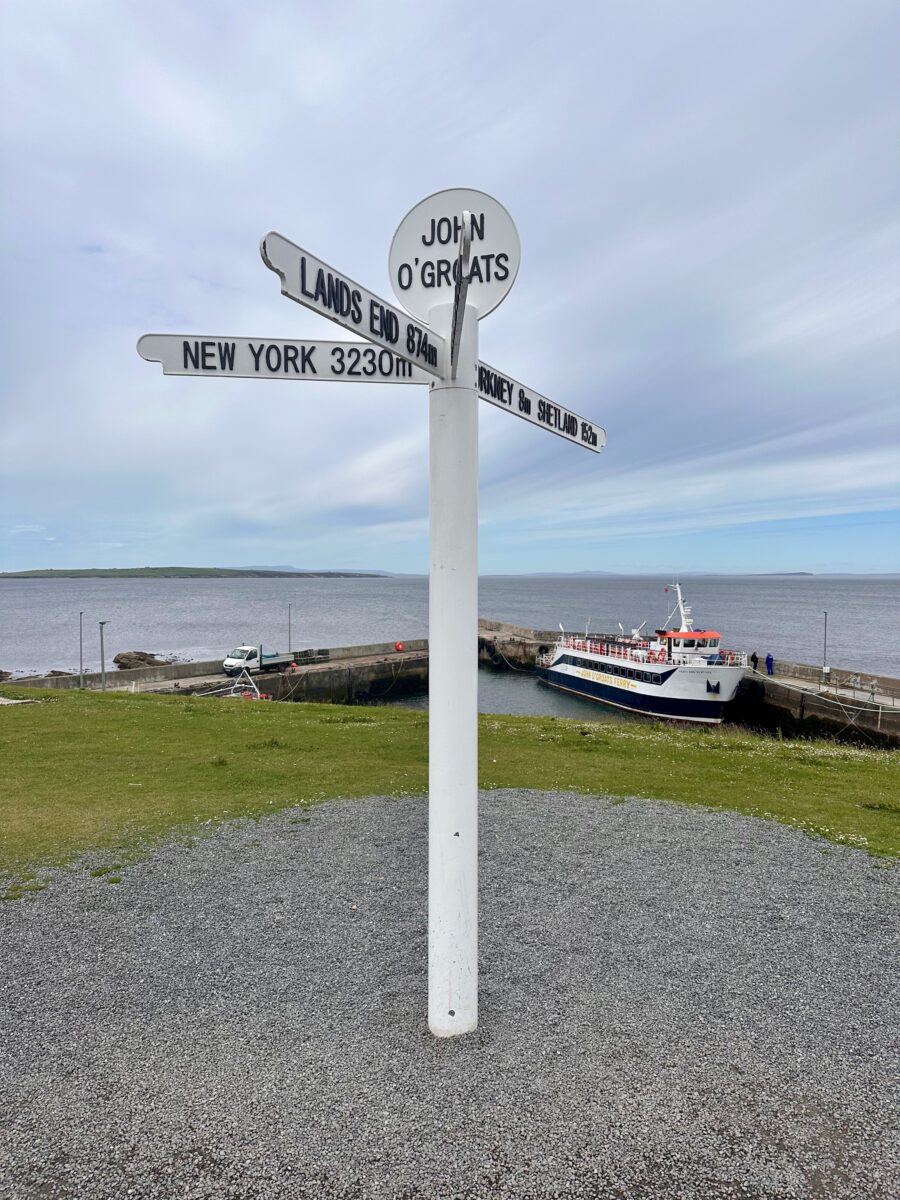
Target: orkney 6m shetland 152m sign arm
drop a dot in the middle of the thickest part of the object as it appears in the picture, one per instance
(453, 259)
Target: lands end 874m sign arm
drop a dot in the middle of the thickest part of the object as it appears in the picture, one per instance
(310, 282)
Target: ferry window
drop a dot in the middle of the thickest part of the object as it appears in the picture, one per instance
(629, 674)
(657, 678)
(714, 641)
(645, 675)
(688, 643)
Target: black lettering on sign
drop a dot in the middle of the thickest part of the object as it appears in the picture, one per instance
(290, 359)
(353, 359)
(418, 345)
(404, 276)
(443, 271)
(337, 360)
(273, 358)
(303, 288)
(306, 360)
(443, 231)
(525, 403)
(226, 356)
(191, 355)
(256, 354)
(206, 356)
(501, 271)
(338, 296)
(587, 434)
(427, 273)
(492, 384)
(383, 322)
(369, 357)
(332, 293)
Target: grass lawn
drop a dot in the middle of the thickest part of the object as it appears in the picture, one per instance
(100, 776)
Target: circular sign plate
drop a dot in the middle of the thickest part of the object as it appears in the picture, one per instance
(423, 261)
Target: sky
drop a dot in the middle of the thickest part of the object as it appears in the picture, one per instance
(706, 195)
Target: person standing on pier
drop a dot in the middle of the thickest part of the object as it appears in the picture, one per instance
(754, 661)
(770, 665)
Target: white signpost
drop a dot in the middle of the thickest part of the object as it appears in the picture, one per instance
(452, 261)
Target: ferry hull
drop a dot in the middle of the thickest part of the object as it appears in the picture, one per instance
(670, 708)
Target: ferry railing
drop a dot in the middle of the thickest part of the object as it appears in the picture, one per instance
(641, 652)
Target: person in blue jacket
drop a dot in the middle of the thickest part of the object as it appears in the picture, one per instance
(770, 665)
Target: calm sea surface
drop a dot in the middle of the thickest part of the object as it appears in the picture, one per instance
(204, 618)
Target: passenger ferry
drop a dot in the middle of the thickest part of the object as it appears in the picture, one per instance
(678, 674)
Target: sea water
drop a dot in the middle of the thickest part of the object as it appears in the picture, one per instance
(204, 618)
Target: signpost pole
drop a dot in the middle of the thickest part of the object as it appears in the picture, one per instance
(453, 688)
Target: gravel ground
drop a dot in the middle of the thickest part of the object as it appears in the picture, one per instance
(674, 1003)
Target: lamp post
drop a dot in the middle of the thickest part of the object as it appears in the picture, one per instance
(102, 659)
(81, 648)
(825, 646)
(289, 629)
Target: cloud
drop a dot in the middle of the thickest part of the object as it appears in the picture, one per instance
(707, 207)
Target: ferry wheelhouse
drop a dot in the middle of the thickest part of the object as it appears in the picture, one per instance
(678, 674)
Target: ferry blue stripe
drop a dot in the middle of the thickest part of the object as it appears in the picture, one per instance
(658, 706)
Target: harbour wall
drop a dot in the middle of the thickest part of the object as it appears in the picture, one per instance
(767, 702)
(794, 700)
(365, 679)
(115, 678)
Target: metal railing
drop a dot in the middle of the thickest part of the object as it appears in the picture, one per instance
(641, 652)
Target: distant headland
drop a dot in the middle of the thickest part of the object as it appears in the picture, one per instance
(186, 573)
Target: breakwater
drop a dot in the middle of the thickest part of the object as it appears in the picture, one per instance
(803, 700)
(798, 699)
